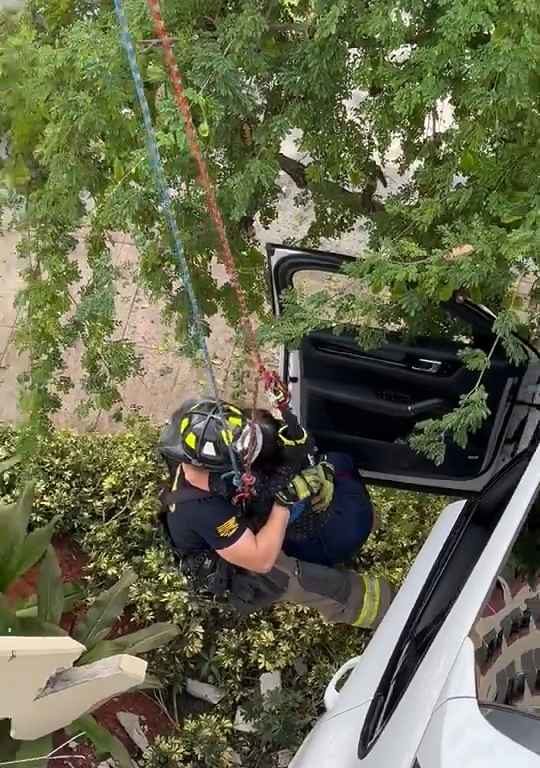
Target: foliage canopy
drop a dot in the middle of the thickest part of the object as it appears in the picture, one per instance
(449, 86)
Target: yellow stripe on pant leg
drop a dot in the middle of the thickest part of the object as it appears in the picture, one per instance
(371, 604)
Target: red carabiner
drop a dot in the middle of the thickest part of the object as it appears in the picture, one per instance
(246, 490)
(274, 385)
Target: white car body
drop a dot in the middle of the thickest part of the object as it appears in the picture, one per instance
(437, 721)
(438, 672)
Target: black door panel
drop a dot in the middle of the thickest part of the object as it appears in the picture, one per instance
(336, 358)
(371, 400)
(385, 402)
(368, 402)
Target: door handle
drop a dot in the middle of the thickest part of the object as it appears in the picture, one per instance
(425, 365)
(331, 695)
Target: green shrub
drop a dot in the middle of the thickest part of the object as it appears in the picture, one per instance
(203, 743)
(104, 489)
(280, 719)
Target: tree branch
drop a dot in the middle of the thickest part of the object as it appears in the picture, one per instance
(298, 27)
(362, 203)
(294, 169)
(153, 42)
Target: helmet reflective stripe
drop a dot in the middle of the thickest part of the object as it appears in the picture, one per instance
(191, 440)
(235, 421)
(209, 449)
(227, 436)
(234, 409)
(184, 425)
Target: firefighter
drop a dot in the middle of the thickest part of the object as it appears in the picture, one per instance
(305, 515)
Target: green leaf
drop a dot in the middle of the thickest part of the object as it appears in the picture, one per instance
(37, 751)
(107, 607)
(34, 547)
(8, 619)
(30, 627)
(474, 359)
(101, 650)
(73, 595)
(151, 683)
(16, 174)
(446, 291)
(27, 608)
(118, 170)
(105, 743)
(7, 464)
(50, 589)
(155, 72)
(13, 525)
(150, 638)
(469, 162)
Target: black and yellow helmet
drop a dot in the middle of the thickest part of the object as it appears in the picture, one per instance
(202, 433)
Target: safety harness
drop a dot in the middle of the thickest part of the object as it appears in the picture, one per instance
(210, 576)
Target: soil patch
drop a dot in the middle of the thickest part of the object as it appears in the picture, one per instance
(69, 758)
(153, 721)
(72, 561)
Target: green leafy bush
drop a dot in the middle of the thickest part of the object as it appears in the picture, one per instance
(280, 718)
(203, 743)
(104, 490)
(19, 551)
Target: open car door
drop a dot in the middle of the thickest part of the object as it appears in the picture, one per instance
(368, 402)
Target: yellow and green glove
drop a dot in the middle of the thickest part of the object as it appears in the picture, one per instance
(321, 477)
(294, 496)
(314, 484)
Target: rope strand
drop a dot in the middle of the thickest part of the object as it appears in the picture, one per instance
(204, 179)
(167, 207)
(271, 380)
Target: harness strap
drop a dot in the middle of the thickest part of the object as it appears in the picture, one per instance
(184, 494)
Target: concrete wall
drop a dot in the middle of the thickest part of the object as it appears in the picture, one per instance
(40, 691)
(168, 378)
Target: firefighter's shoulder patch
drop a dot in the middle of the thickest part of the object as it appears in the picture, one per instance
(227, 528)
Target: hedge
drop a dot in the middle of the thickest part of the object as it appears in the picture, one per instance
(104, 487)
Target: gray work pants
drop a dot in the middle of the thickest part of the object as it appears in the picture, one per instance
(342, 597)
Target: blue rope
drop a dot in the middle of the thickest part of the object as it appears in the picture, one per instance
(167, 206)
